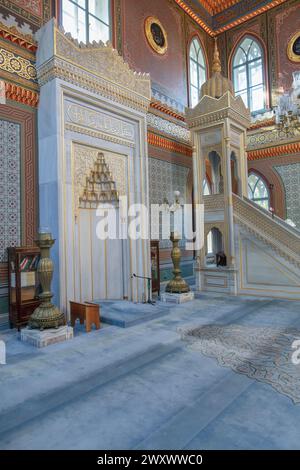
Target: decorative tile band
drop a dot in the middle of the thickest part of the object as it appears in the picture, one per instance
(162, 142)
(13, 35)
(271, 138)
(274, 151)
(17, 65)
(213, 32)
(195, 17)
(34, 12)
(248, 16)
(162, 98)
(163, 109)
(21, 95)
(10, 193)
(164, 126)
(259, 124)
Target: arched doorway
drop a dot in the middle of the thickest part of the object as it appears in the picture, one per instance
(216, 173)
(214, 245)
(234, 174)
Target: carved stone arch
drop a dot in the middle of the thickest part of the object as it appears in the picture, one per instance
(209, 226)
(219, 226)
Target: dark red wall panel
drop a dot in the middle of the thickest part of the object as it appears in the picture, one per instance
(167, 71)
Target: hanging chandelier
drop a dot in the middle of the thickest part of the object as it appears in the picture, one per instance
(287, 112)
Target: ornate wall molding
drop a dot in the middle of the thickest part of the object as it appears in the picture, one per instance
(246, 16)
(101, 60)
(100, 121)
(228, 18)
(162, 142)
(21, 95)
(274, 151)
(189, 11)
(167, 127)
(17, 65)
(260, 124)
(272, 138)
(164, 109)
(12, 34)
(162, 99)
(34, 12)
(58, 68)
(98, 135)
(95, 67)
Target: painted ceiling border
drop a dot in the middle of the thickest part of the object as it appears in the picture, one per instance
(209, 30)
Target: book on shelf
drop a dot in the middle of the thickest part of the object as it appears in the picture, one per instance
(23, 263)
(34, 262)
(29, 263)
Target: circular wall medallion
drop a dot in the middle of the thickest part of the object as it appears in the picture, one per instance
(156, 35)
(293, 49)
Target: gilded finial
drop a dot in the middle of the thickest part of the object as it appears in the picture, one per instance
(216, 62)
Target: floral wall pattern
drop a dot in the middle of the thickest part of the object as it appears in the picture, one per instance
(164, 179)
(290, 175)
(9, 186)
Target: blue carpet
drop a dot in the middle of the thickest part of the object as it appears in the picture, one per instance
(126, 314)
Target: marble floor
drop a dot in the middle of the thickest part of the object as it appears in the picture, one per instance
(143, 388)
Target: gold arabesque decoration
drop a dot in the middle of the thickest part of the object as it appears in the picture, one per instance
(156, 35)
(290, 52)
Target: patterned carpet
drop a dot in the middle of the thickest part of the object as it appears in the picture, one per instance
(261, 353)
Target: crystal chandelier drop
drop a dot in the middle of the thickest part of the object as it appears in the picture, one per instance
(287, 112)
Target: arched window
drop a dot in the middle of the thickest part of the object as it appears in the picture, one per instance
(197, 71)
(87, 20)
(258, 191)
(248, 74)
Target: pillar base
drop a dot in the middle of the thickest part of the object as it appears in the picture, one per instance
(177, 298)
(41, 339)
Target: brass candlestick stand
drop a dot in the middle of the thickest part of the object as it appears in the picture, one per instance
(177, 285)
(46, 315)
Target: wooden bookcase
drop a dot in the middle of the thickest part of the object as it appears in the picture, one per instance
(155, 274)
(23, 284)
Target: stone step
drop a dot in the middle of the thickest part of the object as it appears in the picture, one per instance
(193, 418)
(41, 405)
